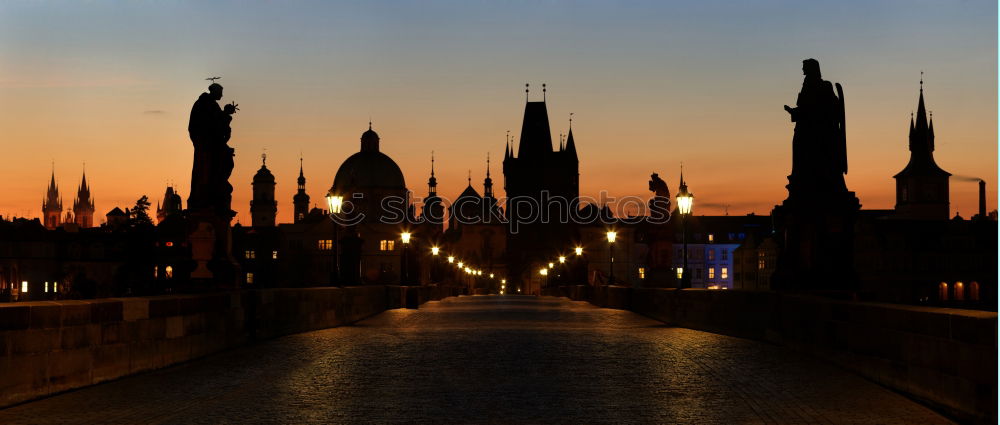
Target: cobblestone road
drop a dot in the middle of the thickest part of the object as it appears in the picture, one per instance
(491, 360)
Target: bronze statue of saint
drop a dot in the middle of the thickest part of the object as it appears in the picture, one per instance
(213, 158)
(819, 148)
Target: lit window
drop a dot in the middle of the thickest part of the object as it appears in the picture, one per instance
(55, 286)
(386, 245)
(274, 255)
(943, 291)
(170, 243)
(711, 272)
(169, 272)
(711, 255)
(24, 286)
(642, 272)
(711, 238)
(680, 272)
(325, 244)
(249, 278)
(156, 272)
(725, 272)
(46, 286)
(725, 254)
(250, 254)
(959, 291)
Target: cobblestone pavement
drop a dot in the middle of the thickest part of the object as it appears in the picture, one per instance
(491, 360)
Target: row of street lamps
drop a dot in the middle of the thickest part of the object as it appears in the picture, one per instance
(685, 200)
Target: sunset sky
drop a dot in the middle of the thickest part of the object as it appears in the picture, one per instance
(651, 84)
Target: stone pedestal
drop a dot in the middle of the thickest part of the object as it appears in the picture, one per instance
(816, 236)
(211, 242)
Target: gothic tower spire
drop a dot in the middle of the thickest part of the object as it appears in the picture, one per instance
(52, 205)
(922, 186)
(83, 205)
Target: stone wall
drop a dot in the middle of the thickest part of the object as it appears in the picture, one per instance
(52, 346)
(944, 357)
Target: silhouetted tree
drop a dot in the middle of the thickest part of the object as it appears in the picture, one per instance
(140, 216)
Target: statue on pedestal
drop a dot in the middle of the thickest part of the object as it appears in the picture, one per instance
(209, 206)
(816, 221)
(659, 204)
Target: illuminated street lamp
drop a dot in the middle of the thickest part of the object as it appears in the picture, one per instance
(612, 235)
(562, 258)
(336, 204)
(491, 275)
(435, 250)
(460, 264)
(685, 200)
(551, 265)
(578, 250)
(405, 237)
(451, 258)
(543, 272)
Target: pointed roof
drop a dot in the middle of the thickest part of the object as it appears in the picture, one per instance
(570, 144)
(469, 192)
(921, 143)
(83, 200)
(302, 175)
(432, 182)
(536, 137)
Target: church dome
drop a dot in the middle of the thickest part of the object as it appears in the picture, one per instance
(368, 170)
(263, 176)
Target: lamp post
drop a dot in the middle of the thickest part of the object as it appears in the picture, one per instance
(435, 253)
(336, 204)
(684, 202)
(405, 237)
(612, 235)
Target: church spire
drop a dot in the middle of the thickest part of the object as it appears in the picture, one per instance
(432, 182)
(488, 182)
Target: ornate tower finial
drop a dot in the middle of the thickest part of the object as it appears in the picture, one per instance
(487, 165)
(921, 81)
(526, 87)
(543, 92)
(470, 177)
(570, 120)
(432, 163)
(263, 158)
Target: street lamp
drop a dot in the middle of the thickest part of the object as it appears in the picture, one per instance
(451, 258)
(336, 204)
(612, 235)
(435, 250)
(562, 259)
(684, 202)
(578, 250)
(405, 237)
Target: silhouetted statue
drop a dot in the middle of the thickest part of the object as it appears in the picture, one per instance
(819, 148)
(659, 204)
(209, 206)
(213, 158)
(816, 221)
